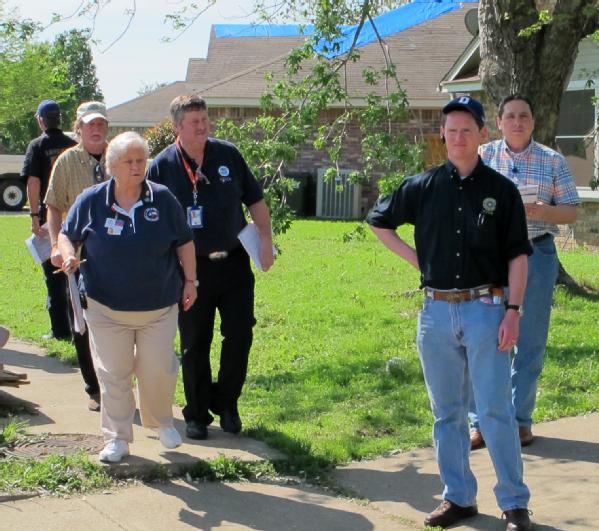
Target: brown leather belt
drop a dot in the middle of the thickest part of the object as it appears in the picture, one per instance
(463, 295)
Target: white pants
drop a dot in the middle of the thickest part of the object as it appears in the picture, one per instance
(124, 344)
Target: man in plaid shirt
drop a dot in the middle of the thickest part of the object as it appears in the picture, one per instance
(545, 172)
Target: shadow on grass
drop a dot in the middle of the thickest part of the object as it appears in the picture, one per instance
(320, 388)
(584, 291)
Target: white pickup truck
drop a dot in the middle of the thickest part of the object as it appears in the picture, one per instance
(13, 189)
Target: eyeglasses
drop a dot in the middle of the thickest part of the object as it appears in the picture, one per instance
(200, 176)
(99, 174)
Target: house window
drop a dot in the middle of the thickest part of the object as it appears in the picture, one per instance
(575, 123)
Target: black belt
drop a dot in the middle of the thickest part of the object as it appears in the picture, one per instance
(538, 239)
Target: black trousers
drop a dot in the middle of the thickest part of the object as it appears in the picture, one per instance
(61, 318)
(57, 301)
(84, 355)
(226, 286)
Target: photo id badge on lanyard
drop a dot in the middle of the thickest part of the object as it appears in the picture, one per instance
(114, 226)
(195, 217)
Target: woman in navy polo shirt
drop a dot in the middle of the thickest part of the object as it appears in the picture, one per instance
(139, 264)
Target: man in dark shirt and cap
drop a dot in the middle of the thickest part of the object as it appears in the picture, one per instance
(39, 158)
(471, 251)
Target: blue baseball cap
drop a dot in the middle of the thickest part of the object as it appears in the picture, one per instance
(48, 108)
(468, 104)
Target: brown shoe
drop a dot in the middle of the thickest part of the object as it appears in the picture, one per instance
(476, 439)
(448, 513)
(526, 437)
(94, 402)
(517, 520)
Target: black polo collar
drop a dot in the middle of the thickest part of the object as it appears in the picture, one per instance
(453, 172)
(146, 196)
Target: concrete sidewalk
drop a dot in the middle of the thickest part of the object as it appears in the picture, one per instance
(561, 468)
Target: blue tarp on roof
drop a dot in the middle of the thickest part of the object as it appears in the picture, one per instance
(399, 19)
(402, 18)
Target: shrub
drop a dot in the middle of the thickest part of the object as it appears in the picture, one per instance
(160, 137)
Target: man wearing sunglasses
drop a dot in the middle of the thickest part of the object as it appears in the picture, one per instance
(75, 170)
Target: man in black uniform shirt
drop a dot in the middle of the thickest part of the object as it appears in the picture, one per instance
(471, 245)
(39, 158)
(212, 181)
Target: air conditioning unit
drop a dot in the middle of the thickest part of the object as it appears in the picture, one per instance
(338, 198)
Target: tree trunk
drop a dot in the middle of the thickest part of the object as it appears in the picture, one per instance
(538, 65)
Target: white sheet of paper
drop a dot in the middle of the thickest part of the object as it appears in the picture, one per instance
(39, 247)
(529, 193)
(78, 319)
(250, 239)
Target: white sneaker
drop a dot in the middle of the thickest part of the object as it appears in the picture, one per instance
(169, 437)
(114, 451)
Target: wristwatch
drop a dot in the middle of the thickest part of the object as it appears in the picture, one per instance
(34, 214)
(196, 282)
(515, 307)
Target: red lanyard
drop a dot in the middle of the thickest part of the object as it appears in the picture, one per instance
(192, 176)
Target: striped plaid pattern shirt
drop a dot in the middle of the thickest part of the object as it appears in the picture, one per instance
(537, 164)
(74, 171)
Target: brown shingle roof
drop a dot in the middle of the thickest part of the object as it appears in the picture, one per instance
(228, 55)
(233, 73)
(422, 55)
(149, 109)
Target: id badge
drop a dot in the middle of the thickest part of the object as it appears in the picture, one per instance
(114, 226)
(195, 217)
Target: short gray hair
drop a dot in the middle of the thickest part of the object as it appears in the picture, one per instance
(120, 144)
(184, 103)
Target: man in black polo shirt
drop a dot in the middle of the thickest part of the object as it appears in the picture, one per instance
(212, 181)
(471, 251)
(39, 158)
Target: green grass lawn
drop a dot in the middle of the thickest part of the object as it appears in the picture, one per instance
(330, 314)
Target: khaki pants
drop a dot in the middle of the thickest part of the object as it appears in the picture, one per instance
(125, 344)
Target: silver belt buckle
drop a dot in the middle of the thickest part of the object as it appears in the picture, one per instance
(217, 256)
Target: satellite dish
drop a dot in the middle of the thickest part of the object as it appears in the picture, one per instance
(471, 21)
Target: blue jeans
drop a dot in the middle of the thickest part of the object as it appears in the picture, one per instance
(457, 343)
(534, 328)
(527, 363)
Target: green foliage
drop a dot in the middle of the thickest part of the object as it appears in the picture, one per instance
(56, 474)
(72, 49)
(12, 430)
(160, 137)
(22, 61)
(31, 71)
(545, 18)
(226, 469)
